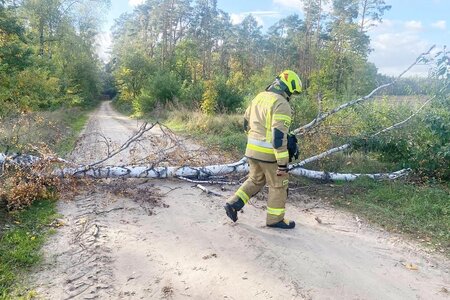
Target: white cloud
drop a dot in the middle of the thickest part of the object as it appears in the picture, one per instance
(413, 25)
(135, 2)
(103, 45)
(296, 4)
(259, 16)
(237, 18)
(441, 24)
(395, 49)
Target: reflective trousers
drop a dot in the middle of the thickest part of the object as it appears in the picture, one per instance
(260, 174)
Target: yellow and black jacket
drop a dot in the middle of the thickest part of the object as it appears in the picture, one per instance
(267, 121)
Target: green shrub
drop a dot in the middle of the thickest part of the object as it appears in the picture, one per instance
(209, 99)
(423, 145)
(191, 93)
(162, 87)
(229, 97)
(144, 103)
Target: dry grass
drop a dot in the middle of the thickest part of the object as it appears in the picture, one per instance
(53, 131)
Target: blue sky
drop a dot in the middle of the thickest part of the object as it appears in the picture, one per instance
(409, 28)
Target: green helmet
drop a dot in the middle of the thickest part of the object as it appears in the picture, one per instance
(292, 81)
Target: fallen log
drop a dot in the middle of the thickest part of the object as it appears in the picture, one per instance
(199, 173)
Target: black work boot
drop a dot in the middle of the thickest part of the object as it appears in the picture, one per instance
(283, 224)
(232, 209)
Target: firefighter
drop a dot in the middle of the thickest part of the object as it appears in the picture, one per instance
(267, 122)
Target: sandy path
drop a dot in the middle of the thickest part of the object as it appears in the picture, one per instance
(111, 248)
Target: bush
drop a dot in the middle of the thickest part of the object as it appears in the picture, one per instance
(161, 88)
(221, 96)
(28, 90)
(21, 187)
(229, 97)
(191, 93)
(144, 103)
(258, 82)
(209, 99)
(423, 145)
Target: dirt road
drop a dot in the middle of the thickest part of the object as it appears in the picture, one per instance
(168, 240)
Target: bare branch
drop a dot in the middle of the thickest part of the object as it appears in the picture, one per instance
(143, 129)
(331, 176)
(302, 130)
(209, 181)
(349, 145)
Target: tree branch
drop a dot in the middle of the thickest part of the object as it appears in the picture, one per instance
(319, 119)
(143, 129)
(349, 145)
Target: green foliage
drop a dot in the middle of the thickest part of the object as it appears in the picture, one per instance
(304, 110)
(210, 98)
(258, 82)
(47, 56)
(191, 93)
(204, 49)
(161, 88)
(229, 96)
(133, 74)
(423, 145)
(20, 245)
(30, 89)
(220, 130)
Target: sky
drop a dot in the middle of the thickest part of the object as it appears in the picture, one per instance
(409, 28)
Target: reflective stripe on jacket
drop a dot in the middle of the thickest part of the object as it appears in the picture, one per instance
(268, 119)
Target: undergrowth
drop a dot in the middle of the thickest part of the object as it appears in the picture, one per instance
(223, 131)
(52, 131)
(27, 199)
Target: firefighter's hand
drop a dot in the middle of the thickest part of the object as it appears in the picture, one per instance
(282, 170)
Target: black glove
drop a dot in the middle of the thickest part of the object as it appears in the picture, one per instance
(292, 147)
(282, 170)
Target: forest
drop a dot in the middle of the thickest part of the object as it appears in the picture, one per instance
(185, 64)
(189, 53)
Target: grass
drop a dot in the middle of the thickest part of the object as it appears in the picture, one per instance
(75, 123)
(420, 211)
(56, 130)
(222, 131)
(20, 244)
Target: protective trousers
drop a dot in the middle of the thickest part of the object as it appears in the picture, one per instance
(260, 174)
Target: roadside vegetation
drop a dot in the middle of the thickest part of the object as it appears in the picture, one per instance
(404, 206)
(50, 78)
(22, 236)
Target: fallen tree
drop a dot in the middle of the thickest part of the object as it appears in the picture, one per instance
(153, 169)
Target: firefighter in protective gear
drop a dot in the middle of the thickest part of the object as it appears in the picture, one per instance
(267, 121)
